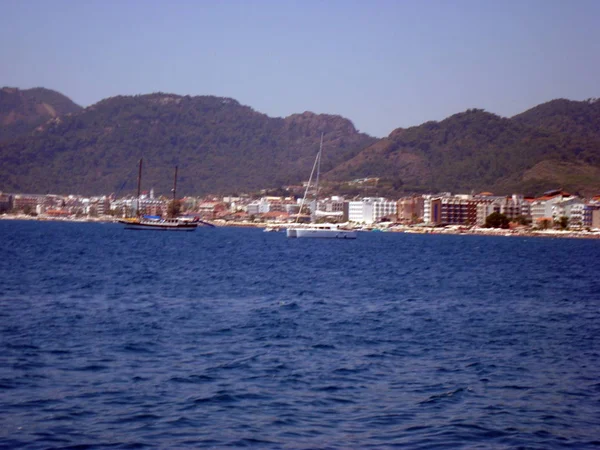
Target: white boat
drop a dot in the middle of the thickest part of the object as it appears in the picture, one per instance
(271, 229)
(321, 230)
(141, 222)
(318, 230)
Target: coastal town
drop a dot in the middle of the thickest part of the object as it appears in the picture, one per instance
(553, 213)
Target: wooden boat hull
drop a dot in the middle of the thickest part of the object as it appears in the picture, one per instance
(158, 226)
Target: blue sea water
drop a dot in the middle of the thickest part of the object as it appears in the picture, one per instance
(237, 338)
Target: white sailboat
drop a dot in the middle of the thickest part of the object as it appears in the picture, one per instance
(317, 230)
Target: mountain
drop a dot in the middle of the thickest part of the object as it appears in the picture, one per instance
(21, 111)
(565, 116)
(476, 150)
(222, 146)
(219, 145)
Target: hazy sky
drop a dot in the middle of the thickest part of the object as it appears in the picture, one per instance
(382, 64)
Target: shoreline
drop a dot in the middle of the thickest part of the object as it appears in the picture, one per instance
(572, 234)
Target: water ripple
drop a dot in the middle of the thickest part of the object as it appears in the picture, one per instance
(237, 338)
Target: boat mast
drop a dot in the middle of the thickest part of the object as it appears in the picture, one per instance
(139, 192)
(312, 172)
(318, 172)
(175, 185)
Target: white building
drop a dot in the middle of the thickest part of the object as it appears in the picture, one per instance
(335, 204)
(551, 206)
(371, 210)
(512, 207)
(485, 207)
(542, 209)
(359, 212)
(427, 208)
(385, 209)
(261, 206)
(572, 208)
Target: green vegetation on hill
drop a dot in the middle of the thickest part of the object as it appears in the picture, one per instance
(580, 119)
(219, 145)
(476, 150)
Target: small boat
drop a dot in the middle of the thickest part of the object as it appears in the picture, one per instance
(322, 230)
(158, 224)
(271, 229)
(318, 230)
(141, 222)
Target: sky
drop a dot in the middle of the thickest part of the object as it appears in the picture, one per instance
(383, 64)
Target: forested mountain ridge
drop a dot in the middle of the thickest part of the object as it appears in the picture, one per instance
(476, 150)
(219, 145)
(566, 116)
(21, 111)
(222, 146)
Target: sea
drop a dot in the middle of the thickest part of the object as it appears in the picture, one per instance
(232, 337)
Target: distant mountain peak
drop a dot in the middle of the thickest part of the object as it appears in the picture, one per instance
(317, 123)
(23, 110)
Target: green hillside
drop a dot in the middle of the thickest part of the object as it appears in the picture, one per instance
(580, 119)
(476, 150)
(219, 145)
(222, 146)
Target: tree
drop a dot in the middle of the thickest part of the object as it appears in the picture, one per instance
(563, 222)
(522, 220)
(496, 220)
(544, 224)
(174, 208)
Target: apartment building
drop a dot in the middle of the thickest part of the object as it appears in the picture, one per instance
(511, 206)
(591, 215)
(572, 208)
(410, 209)
(371, 210)
(27, 201)
(551, 206)
(453, 211)
(429, 201)
(261, 206)
(6, 202)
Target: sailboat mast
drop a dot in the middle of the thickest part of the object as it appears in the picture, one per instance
(318, 172)
(175, 185)
(140, 179)
(308, 185)
(139, 192)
